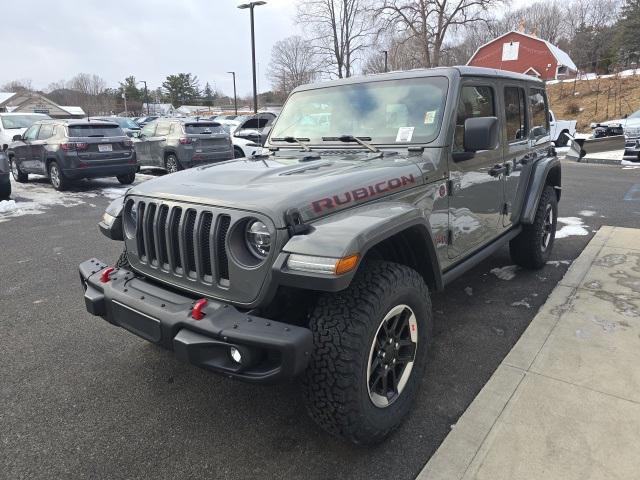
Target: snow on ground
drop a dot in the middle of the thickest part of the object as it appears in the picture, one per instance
(573, 226)
(587, 213)
(37, 196)
(505, 273)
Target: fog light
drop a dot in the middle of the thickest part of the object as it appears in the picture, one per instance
(235, 354)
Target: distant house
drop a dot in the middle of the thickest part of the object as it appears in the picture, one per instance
(32, 102)
(524, 53)
(159, 109)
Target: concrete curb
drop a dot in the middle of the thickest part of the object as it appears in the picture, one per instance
(465, 444)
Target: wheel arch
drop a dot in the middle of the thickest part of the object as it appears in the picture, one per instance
(547, 171)
(390, 231)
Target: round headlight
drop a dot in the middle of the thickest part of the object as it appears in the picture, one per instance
(258, 238)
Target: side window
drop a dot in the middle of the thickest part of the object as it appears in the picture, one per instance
(539, 117)
(46, 131)
(32, 133)
(163, 129)
(175, 129)
(515, 114)
(475, 101)
(149, 130)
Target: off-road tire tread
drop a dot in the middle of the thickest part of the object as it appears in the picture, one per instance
(341, 325)
(122, 261)
(525, 249)
(127, 179)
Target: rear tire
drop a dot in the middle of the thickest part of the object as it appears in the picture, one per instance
(5, 191)
(357, 385)
(18, 175)
(532, 247)
(563, 139)
(127, 179)
(56, 177)
(172, 164)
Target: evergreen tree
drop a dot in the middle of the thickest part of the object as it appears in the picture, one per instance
(628, 27)
(209, 95)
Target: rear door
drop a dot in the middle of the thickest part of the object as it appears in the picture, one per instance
(142, 146)
(158, 142)
(39, 147)
(476, 193)
(516, 149)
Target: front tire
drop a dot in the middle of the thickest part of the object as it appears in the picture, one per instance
(563, 139)
(18, 175)
(238, 153)
(370, 351)
(532, 247)
(127, 179)
(56, 177)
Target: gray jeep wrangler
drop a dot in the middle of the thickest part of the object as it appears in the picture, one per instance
(317, 261)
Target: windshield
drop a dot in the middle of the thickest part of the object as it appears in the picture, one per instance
(14, 122)
(125, 123)
(635, 114)
(89, 130)
(388, 112)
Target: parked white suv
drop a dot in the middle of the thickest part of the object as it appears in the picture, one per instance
(12, 124)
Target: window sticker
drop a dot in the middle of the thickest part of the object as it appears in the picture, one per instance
(430, 117)
(405, 134)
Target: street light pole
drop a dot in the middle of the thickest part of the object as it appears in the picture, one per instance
(251, 6)
(235, 96)
(386, 61)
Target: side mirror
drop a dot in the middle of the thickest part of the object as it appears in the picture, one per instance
(17, 138)
(480, 133)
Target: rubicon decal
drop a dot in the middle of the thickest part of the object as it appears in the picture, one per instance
(362, 193)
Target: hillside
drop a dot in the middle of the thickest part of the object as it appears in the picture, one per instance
(595, 100)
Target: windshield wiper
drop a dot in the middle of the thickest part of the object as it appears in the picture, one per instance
(299, 141)
(351, 139)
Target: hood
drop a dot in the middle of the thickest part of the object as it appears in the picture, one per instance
(10, 133)
(272, 185)
(625, 122)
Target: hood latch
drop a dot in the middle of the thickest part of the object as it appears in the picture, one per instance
(295, 223)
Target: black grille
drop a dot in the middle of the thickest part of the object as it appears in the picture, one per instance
(183, 242)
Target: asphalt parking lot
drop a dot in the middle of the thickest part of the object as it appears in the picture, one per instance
(81, 398)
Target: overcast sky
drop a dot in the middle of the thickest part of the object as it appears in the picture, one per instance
(47, 41)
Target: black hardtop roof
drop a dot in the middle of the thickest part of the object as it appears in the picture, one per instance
(449, 72)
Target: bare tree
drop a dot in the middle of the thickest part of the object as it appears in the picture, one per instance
(430, 21)
(293, 63)
(16, 86)
(339, 31)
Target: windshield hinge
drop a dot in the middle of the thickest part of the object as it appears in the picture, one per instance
(295, 223)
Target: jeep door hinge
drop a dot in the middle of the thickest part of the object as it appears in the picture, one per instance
(450, 188)
(450, 237)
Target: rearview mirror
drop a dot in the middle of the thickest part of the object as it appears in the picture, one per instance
(480, 133)
(17, 138)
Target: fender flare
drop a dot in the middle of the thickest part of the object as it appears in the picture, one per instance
(355, 231)
(537, 182)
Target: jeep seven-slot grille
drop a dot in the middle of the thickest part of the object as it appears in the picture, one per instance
(183, 241)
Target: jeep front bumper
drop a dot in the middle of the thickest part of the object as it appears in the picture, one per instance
(269, 350)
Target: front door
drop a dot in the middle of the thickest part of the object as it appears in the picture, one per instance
(476, 194)
(23, 151)
(143, 153)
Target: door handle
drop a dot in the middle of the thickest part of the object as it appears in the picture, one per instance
(498, 170)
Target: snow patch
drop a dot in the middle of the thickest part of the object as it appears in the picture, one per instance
(8, 206)
(557, 263)
(505, 273)
(574, 226)
(586, 213)
(521, 303)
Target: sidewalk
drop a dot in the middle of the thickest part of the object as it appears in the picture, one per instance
(565, 402)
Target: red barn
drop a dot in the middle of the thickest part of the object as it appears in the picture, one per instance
(523, 53)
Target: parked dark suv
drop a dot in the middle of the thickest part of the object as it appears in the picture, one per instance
(178, 143)
(66, 150)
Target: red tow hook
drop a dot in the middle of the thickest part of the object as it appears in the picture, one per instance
(106, 274)
(196, 312)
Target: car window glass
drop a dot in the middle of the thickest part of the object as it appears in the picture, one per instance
(149, 130)
(475, 101)
(515, 114)
(163, 129)
(32, 133)
(538, 107)
(46, 131)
